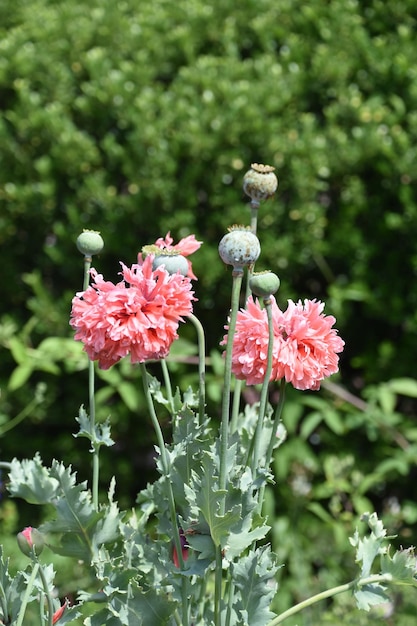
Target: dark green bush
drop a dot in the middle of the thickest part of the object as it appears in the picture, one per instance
(135, 119)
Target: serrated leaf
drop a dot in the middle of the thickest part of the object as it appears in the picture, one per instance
(254, 576)
(241, 537)
(103, 618)
(83, 528)
(370, 595)
(369, 547)
(401, 566)
(208, 499)
(142, 608)
(98, 434)
(366, 553)
(30, 480)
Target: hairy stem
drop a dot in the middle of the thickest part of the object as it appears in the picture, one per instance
(26, 596)
(171, 501)
(201, 366)
(265, 387)
(329, 593)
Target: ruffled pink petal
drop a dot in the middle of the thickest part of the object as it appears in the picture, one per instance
(137, 316)
(305, 349)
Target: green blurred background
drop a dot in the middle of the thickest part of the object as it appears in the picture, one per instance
(137, 118)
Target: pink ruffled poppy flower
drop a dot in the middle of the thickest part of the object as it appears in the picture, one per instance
(305, 350)
(185, 246)
(137, 316)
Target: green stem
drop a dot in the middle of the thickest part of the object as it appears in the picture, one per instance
(271, 445)
(26, 596)
(201, 366)
(230, 596)
(218, 579)
(329, 593)
(48, 596)
(95, 447)
(224, 431)
(91, 399)
(168, 386)
(171, 501)
(236, 405)
(87, 266)
(264, 391)
(277, 420)
(20, 416)
(239, 383)
(224, 428)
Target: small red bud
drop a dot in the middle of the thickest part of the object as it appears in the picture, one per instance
(59, 612)
(184, 550)
(30, 541)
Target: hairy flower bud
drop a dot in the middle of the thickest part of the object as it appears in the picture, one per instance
(59, 612)
(260, 182)
(30, 541)
(264, 284)
(90, 242)
(239, 247)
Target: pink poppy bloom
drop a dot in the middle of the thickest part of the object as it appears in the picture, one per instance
(137, 316)
(305, 349)
(185, 246)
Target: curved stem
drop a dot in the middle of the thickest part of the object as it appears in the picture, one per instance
(168, 387)
(26, 596)
(201, 366)
(171, 501)
(265, 387)
(20, 416)
(329, 593)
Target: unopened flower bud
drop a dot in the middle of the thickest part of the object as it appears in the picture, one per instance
(30, 541)
(239, 247)
(90, 242)
(264, 284)
(59, 612)
(260, 182)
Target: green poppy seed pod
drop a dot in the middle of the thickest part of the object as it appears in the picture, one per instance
(264, 284)
(239, 247)
(90, 242)
(260, 182)
(30, 541)
(173, 263)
